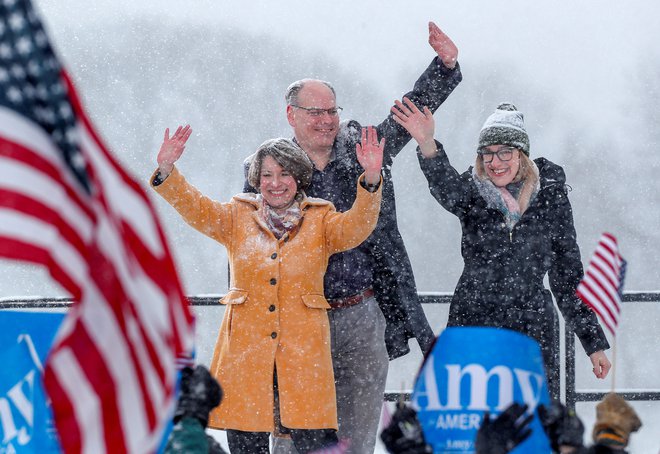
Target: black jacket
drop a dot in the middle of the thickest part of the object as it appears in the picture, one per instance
(502, 280)
(394, 283)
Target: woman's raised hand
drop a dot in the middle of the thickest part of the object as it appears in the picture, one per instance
(419, 123)
(172, 149)
(370, 154)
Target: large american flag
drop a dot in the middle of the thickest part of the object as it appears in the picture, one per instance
(66, 204)
(602, 285)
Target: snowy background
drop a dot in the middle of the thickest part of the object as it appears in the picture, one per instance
(585, 74)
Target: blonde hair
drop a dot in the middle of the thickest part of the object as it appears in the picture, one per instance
(527, 173)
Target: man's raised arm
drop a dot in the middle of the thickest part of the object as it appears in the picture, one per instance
(431, 89)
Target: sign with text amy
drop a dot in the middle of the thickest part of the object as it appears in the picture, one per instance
(472, 370)
(26, 424)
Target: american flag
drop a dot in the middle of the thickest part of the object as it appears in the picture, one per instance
(65, 203)
(602, 285)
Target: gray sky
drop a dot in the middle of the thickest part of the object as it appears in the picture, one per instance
(578, 50)
(584, 55)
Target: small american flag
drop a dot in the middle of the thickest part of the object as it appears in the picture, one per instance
(602, 285)
(65, 203)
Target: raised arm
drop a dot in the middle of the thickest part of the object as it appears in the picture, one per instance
(370, 155)
(172, 149)
(349, 229)
(208, 216)
(445, 184)
(431, 89)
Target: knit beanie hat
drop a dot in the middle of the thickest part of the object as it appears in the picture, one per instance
(505, 126)
(615, 421)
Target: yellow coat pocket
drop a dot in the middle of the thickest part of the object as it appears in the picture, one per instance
(315, 301)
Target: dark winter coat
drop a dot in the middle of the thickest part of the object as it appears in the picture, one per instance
(394, 283)
(502, 280)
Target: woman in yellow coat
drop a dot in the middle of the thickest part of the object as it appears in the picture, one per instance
(275, 329)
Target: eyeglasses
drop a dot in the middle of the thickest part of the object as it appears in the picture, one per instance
(504, 154)
(316, 112)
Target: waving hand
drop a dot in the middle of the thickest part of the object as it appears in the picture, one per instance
(370, 154)
(443, 46)
(172, 149)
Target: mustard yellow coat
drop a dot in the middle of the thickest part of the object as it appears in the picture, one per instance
(276, 313)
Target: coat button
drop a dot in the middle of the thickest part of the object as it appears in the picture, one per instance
(273, 281)
(274, 255)
(272, 308)
(273, 335)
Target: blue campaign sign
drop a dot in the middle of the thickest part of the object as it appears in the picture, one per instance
(472, 370)
(26, 424)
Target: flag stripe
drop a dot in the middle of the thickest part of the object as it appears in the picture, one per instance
(30, 174)
(602, 285)
(85, 435)
(602, 299)
(586, 294)
(604, 268)
(65, 203)
(607, 298)
(19, 204)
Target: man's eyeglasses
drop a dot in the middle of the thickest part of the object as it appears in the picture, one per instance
(316, 112)
(504, 154)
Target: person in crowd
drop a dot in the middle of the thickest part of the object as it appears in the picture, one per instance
(404, 433)
(615, 421)
(496, 435)
(199, 394)
(517, 226)
(371, 289)
(503, 433)
(273, 349)
(564, 429)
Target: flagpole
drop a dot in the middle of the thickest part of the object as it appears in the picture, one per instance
(614, 366)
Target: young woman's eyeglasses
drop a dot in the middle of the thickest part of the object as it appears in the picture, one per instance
(504, 154)
(316, 112)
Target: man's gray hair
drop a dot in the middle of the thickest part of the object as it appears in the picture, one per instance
(293, 90)
(287, 154)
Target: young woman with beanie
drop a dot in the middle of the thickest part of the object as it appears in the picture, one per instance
(517, 226)
(272, 354)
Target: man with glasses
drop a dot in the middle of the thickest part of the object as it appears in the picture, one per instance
(371, 289)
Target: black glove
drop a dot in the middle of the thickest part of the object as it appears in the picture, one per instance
(200, 393)
(404, 433)
(563, 428)
(502, 434)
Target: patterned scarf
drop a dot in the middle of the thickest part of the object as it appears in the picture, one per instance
(504, 199)
(277, 223)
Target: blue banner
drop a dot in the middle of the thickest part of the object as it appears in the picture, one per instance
(472, 370)
(26, 424)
